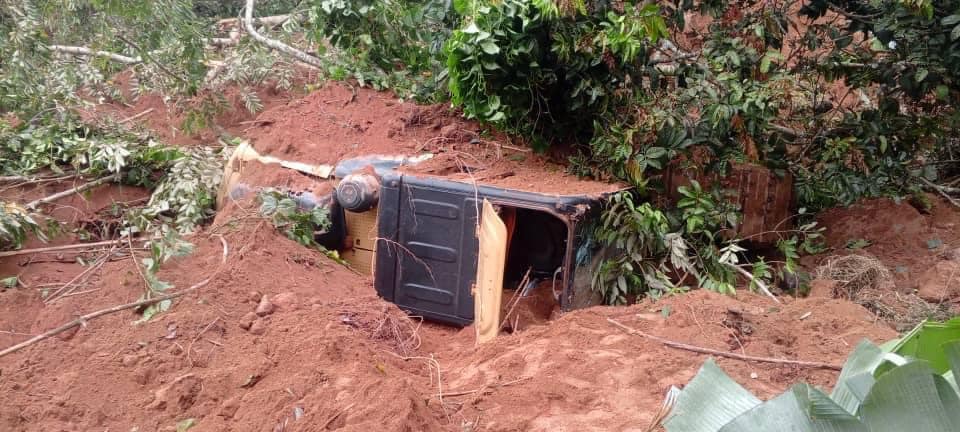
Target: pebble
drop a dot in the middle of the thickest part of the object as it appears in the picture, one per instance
(130, 360)
(286, 301)
(258, 327)
(247, 320)
(229, 408)
(265, 307)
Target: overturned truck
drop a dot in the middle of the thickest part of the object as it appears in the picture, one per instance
(418, 235)
(417, 226)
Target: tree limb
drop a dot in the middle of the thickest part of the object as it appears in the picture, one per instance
(267, 20)
(275, 44)
(758, 282)
(33, 204)
(60, 248)
(84, 51)
(701, 350)
(943, 190)
(83, 319)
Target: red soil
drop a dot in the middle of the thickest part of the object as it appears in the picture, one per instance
(905, 240)
(333, 356)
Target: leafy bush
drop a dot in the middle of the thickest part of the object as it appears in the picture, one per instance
(654, 245)
(388, 44)
(547, 72)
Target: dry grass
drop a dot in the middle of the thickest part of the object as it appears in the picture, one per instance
(856, 273)
(388, 325)
(867, 282)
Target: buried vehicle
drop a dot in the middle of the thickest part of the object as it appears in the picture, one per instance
(443, 240)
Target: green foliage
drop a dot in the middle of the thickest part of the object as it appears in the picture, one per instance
(653, 244)
(170, 245)
(529, 67)
(29, 148)
(298, 224)
(16, 224)
(387, 44)
(186, 195)
(36, 81)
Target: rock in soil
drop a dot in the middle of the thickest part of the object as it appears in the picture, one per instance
(265, 307)
(286, 301)
(940, 282)
(258, 327)
(247, 320)
(229, 407)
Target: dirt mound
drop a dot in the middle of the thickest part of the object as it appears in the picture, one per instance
(328, 354)
(167, 120)
(284, 339)
(909, 243)
(582, 373)
(337, 123)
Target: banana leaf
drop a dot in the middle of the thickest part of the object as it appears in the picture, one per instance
(877, 391)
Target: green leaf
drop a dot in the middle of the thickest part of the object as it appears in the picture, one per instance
(930, 341)
(849, 392)
(906, 399)
(952, 351)
(185, 425)
(490, 47)
(950, 20)
(802, 408)
(955, 34)
(921, 74)
(9, 282)
(709, 401)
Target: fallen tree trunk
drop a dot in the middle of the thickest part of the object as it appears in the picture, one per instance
(275, 44)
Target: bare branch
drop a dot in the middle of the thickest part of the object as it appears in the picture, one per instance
(269, 21)
(84, 51)
(33, 204)
(708, 351)
(275, 44)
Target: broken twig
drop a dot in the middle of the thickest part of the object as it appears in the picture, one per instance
(486, 387)
(701, 350)
(942, 190)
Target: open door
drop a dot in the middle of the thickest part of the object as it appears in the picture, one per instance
(492, 233)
